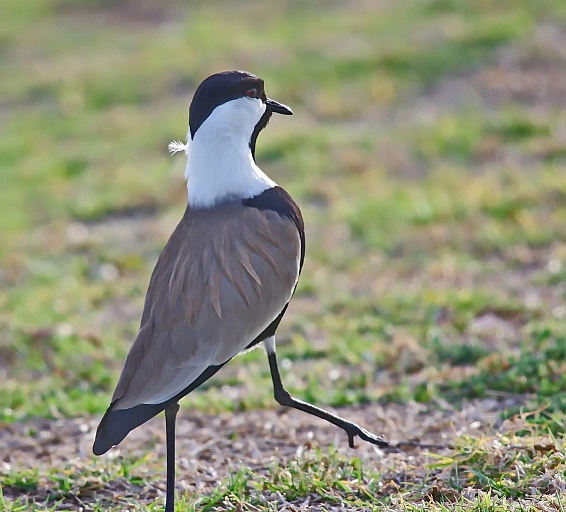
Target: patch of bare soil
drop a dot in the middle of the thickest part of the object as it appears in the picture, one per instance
(530, 74)
(143, 13)
(210, 447)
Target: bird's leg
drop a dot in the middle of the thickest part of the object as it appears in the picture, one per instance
(170, 416)
(284, 398)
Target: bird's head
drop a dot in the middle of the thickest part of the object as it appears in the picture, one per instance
(227, 113)
(232, 102)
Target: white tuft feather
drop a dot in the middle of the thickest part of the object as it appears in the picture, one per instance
(177, 146)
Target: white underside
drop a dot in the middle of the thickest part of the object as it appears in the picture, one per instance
(269, 344)
(220, 165)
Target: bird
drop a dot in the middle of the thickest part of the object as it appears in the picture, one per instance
(223, 281)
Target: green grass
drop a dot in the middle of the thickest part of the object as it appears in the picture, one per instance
(431, 173)
(501, 474)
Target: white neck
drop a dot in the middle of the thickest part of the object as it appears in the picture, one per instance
(220, 165)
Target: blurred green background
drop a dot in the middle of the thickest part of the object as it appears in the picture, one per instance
(427, 151)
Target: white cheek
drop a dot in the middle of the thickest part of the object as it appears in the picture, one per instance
(235, 118)
(250, 110)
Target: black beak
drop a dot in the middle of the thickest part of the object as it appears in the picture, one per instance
(277, 107)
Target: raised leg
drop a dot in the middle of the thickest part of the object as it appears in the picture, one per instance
(170, 416)
(284, 398)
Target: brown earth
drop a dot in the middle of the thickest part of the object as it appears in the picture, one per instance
(211, 447)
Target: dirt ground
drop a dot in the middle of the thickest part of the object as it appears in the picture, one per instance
(210, 447)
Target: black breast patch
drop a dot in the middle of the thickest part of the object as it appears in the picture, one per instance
(278, 200)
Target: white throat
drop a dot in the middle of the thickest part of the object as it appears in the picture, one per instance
(220, 164)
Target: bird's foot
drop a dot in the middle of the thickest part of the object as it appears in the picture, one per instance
(355, 430)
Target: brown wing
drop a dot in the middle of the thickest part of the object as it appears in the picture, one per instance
(223, 277)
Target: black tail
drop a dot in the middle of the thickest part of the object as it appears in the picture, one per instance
(117, 423)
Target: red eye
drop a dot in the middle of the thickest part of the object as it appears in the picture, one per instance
(251, 93)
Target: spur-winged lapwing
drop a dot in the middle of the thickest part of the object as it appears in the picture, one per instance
(226, 275)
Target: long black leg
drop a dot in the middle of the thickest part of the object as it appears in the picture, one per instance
(170, 416)
(284, 398)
